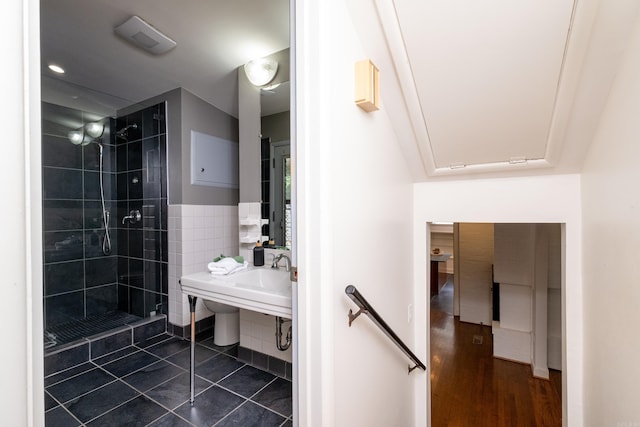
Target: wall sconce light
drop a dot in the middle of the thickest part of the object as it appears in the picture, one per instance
(261, 71)
(76, 136)
(95, 129)
(367, 86)
(86, 134)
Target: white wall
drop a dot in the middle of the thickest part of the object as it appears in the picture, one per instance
(527, 261)
(475, 260)
(354, 227)
(525, 200)
(13, 225)
(611, 221)
(20, 219)
(249, 135)
(514, 253)
(514, 269)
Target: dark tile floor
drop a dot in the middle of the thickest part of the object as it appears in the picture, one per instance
(147, 384)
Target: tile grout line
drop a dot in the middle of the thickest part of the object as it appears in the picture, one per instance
(229, 374)
(169, 413)
(78, 374)
(112, 409)
(260, 404)
(230, 412)
(139, 369)
(88, 392)
(265, 386)
(64, 408)
(68, 378)
(157, 385)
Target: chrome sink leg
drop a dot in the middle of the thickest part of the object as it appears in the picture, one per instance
(192, 364)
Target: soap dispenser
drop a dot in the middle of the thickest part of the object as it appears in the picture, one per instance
(258, 255)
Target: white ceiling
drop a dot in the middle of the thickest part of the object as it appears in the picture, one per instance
(105, 73)
(493, 86)
(486, 74)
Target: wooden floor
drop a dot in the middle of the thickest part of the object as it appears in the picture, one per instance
(469, 387)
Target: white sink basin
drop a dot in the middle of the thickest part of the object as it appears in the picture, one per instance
(267, 280)
(259, 289)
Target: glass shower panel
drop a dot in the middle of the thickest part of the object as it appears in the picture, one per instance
(97, 277)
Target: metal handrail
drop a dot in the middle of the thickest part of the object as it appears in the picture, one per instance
(366, 308)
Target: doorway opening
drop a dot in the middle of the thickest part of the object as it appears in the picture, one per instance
(496, 335)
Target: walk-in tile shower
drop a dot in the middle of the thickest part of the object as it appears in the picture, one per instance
(104, 265)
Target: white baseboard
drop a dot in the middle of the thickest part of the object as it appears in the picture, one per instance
(540, 371)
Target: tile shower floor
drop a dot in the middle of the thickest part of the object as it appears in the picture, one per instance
(147, 384)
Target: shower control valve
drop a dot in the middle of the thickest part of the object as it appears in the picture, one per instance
(133, 217)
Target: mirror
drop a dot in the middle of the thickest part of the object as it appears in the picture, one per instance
(276, 164)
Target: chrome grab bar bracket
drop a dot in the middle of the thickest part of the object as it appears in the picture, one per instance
(410, 368)
(353, 317)
(366, 308)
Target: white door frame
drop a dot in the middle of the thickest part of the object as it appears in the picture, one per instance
(563, 299)
(544, 199)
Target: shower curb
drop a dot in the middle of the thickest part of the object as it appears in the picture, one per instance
(86, 349)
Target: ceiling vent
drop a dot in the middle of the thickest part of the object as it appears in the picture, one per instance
(141, 34)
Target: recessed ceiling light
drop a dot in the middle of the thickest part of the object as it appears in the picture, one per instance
(56, 69)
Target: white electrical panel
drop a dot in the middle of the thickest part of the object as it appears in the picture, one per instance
(214, 161)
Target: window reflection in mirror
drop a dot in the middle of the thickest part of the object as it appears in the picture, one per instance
(276, 166)
(280, 194)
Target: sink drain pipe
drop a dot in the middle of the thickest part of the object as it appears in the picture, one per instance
(279, 345)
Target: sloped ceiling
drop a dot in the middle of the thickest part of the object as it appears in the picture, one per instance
(486, 74)
(495, 86)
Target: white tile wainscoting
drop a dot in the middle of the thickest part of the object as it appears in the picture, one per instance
(197, 234)
(257, 332)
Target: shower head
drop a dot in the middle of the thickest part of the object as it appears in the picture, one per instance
(122, 133)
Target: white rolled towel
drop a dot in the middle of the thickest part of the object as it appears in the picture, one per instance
(226, 266)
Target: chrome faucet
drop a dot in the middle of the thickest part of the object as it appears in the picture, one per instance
(287, 262)
(133, 217)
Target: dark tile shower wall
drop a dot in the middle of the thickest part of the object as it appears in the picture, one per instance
(142, 185)
(79, 280)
